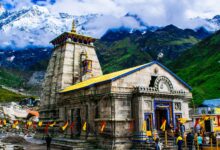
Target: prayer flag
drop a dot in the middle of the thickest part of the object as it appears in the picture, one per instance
(15, 124)
(40, 123)
(29, 123)
(72, 125)
(46, 128)
(65, 126)
(52, 124)
(163, 126)
(4, 122)
(84, 127)
(103, 125)
(144, 126)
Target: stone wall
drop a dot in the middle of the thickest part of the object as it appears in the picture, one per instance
(64, 70)
(143, 77)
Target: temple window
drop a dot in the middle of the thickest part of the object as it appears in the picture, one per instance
(87, 66)
(152, 81)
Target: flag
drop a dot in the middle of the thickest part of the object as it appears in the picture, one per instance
(29, 123)
(72, 125)
(163, 126)
(40, 123)
(65, 126)
(15, 124)
(46, 128)
(201, 123)
(84, 127)
(197, 122)
(182, 120)
(103, 125)
(34, 125)
(144, 126)
(52, 124)
(205, 117)
(4, 122)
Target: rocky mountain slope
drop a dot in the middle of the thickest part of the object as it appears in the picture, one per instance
(119, 49)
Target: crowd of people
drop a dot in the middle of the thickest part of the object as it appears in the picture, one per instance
(194, 138)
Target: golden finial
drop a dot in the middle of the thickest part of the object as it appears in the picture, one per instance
(73, 27)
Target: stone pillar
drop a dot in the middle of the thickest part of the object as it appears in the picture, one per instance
(140, 113)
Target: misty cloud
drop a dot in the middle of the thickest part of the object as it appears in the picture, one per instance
(112, 14)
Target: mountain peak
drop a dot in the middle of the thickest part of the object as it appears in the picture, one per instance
(2, 9)
(39, 9)
(217, 17)
(137, 18)
(170, 27)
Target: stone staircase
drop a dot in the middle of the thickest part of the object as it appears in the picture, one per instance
(171, 145)
(150, 144)
(75, 144)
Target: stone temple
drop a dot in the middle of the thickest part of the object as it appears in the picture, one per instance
(76, 90)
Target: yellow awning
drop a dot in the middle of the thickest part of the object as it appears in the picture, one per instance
(103, 78)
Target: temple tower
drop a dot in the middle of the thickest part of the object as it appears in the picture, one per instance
(73, 60)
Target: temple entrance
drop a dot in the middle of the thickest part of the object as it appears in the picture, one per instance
(161, 115)
(163, 111)
(78, 123)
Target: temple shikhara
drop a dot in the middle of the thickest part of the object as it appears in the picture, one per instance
(113, 107)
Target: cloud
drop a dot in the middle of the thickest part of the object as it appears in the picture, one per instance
(113, 14)
(20, 39)
(153, 12)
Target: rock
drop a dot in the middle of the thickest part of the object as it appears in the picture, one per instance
(14, 140)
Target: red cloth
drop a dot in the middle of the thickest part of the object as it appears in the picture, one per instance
(46, 127)
(72, 125)
(197, 122)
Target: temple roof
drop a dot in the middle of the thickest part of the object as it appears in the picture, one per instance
(64, 36)
(117, 75)
(72, 35)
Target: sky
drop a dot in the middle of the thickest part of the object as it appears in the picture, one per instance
(152, 12)
(181, 13)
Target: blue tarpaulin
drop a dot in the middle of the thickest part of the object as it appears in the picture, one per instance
(211, 103)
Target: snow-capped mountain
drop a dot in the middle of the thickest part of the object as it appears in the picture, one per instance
(210, 25)
(1, 9)
(215, 22)
(37, 26)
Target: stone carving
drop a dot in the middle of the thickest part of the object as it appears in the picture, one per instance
(163, 84)
(177, 106)
(148, 105)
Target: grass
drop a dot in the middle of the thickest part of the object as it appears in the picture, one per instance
(8, 96)
(10, 79)
(190, 40)
(200, 67)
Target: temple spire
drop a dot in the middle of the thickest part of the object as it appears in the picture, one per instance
(73, 30)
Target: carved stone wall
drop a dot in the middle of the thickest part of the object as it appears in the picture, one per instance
(64, 69)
